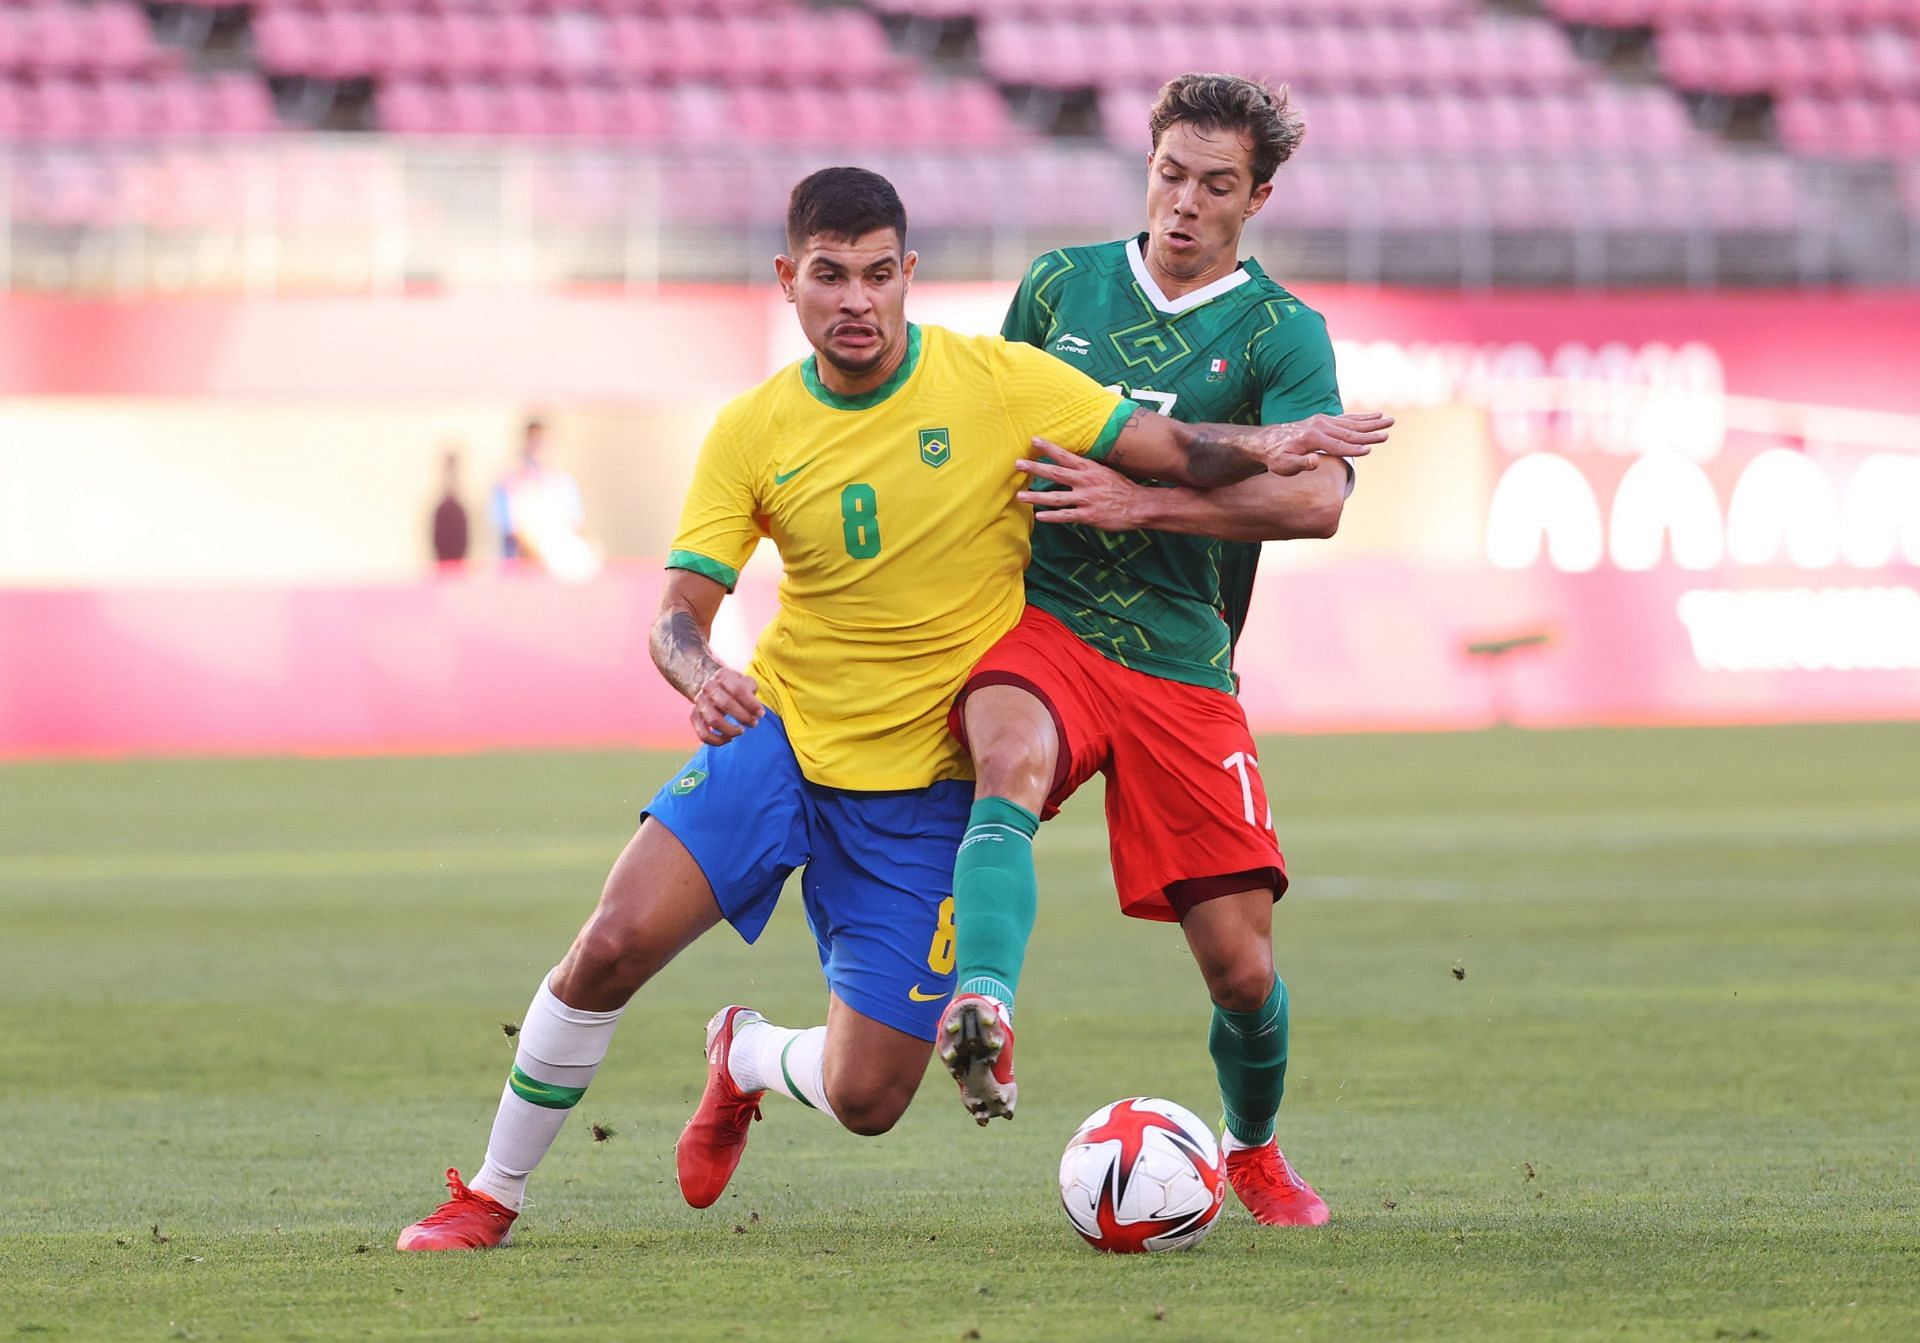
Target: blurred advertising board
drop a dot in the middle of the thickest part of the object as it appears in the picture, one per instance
(1599, 508)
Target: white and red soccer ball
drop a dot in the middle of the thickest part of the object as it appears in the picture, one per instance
(1142, 1174)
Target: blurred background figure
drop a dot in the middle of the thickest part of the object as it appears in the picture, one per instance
(538, 514)
(450, 529)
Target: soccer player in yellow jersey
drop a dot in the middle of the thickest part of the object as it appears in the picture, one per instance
(884, 469)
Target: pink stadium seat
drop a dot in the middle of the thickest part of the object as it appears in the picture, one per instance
(60, 108)
(477, 109)
(13, 110)
(589, 111)
(123, 111)
(693, 51)
(54, 40)
(517, 47)
(698, 114)
(408, 107)
(644, 115)
(578, 43)
(1901, 135)
(122, 42)
(467, 46)
(180, 106)
(405, 46)
(635, 47)
(532, 110)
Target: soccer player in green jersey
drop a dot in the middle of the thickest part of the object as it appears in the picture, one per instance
(883, 467)
(1122, 661)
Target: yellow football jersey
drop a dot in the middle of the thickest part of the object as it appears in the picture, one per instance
(903, 543)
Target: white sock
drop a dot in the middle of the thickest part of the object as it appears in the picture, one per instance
(766, 1057)
(560, 1049)
(1229, 1143)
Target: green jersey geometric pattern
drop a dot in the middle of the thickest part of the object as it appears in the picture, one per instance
(1241, 351)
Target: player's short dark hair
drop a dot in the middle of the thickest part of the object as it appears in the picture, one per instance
(1230, 103)
(843, 203)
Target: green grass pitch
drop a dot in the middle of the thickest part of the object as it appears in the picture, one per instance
(1597, 1035)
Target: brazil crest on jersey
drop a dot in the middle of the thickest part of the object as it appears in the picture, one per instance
(1241, 350)
(902, 541)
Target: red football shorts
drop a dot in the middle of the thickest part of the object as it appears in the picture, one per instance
(1187, 813)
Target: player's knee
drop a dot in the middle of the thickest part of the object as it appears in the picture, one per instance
(1012, 765)
(1243, 984)
(608, 959)
(867, 1109)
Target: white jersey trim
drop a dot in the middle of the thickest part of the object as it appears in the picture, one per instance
(1173, 307)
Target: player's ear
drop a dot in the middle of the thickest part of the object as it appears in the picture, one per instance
(1260, 194)
(786, 269)
(907, 263)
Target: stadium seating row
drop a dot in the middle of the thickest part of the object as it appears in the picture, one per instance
(66, 39)
(202, 187)
(171, 104)
(1409, 11)
(840, 46)
(300, 186)
(657, 8)
(1058, 51)
(1739, 61)
(1602, 119)
(1718, 191)
(1850, 128)
(1781, 15)
(960, 113)
(1076, 192)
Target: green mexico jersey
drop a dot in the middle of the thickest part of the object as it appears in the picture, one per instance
(1241, 350)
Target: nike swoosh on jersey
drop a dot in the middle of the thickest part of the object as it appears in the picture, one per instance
(782, 477)
(919, 997)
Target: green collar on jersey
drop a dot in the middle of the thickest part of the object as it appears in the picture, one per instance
(826, 396)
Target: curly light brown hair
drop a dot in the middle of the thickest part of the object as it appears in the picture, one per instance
(1230, 103)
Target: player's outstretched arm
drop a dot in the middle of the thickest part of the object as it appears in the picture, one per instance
(1264, 508)
(1158, 447)
(725, 702)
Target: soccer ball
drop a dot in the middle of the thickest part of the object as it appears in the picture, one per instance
(1142, 1174)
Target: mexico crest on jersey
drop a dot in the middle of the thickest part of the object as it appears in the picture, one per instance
(936, 446)
(1216, 370)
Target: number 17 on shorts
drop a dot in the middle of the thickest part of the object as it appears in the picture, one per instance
(1242, 764)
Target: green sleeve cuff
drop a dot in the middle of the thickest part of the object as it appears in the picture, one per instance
(722, 574)
(1111, 434)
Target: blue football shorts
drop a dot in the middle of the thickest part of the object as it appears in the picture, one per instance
(877, 868)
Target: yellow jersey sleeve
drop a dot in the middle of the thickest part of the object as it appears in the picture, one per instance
(1048, 398)
(720, 524)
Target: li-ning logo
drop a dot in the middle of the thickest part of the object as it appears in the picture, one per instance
(1072, 345)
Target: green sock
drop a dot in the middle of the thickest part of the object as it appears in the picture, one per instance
(994, 894)
(1250, 1057)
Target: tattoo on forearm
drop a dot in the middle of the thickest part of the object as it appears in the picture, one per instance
(680, 652)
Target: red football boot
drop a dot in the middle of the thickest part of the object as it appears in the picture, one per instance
(711, 1144)
(467, 1221)
(975, 1041)
(1272, 1192)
